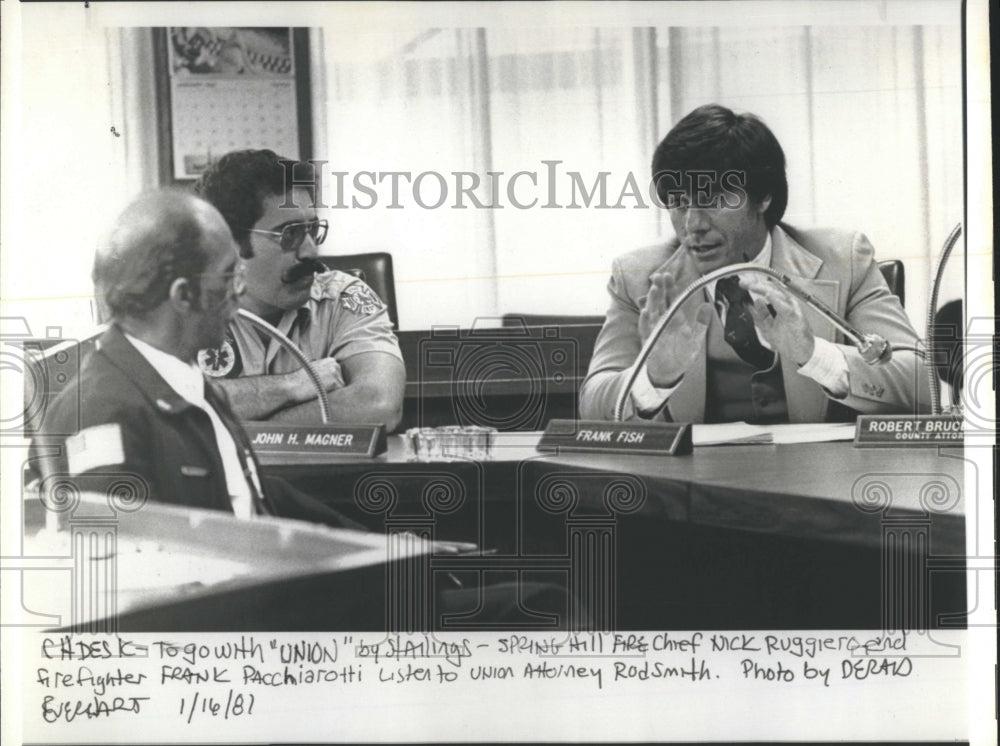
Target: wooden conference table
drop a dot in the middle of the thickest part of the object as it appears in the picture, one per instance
(794, 536)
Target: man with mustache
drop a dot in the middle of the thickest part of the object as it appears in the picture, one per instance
(141, 417)
(333, 317)
(746, 349)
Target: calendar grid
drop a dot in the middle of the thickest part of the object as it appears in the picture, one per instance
(230, 89)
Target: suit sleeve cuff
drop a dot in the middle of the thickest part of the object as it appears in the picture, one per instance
(828, 368)
(648, 399)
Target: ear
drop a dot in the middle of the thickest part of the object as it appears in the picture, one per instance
(764, 204)
(181, 295)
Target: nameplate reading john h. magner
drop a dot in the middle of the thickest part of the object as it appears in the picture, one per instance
(659, 438)
(319, 440)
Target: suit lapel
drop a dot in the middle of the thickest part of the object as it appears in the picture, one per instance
(789, 258)
(244, 450)
(120, 352)
(806, 403)
(117, 349)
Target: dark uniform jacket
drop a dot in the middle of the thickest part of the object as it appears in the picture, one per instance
(136, 437)
(160, 447)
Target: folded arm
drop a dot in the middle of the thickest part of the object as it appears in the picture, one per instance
(374, 384)
(262, 397)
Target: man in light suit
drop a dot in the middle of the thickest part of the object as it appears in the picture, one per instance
(745, 350)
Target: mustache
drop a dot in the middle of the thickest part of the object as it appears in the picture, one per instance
(301, 269)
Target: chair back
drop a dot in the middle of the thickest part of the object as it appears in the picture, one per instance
(375, 269)
(895, 278)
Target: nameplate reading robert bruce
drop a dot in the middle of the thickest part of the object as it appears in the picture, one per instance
(895, 430)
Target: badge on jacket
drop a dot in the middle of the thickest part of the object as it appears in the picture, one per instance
(221, 362)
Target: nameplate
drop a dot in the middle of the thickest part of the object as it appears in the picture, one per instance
(646, 438)
(908, 430)
(328, 440)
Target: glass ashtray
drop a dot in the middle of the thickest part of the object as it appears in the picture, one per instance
(449, 443)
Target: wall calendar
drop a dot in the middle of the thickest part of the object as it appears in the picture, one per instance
(229, 89)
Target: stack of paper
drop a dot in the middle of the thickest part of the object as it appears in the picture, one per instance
(742, 433)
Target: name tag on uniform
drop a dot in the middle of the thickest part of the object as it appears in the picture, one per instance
(326, 440)
(649, 438)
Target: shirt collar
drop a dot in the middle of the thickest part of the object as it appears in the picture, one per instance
(300, 315)
(183, 378)
(763, 259)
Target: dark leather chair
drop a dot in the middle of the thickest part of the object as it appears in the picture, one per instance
(895, 278)
(376, 270)
(948, 333)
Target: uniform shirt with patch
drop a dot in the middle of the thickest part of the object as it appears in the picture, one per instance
(343, 317)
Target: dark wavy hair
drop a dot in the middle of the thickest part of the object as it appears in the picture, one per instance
(238, 183)
(157, 238)
(715, 139)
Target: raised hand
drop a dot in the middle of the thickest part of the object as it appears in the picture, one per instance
(681, 341)
(779, 319)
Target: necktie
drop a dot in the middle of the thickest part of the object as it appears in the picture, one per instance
(739, 328)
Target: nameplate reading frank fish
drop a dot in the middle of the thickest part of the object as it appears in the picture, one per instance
(650, 438)
(328, 440)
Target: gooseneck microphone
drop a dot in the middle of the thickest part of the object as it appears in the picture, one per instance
(258, 322)
(875, 350)
(932, 378)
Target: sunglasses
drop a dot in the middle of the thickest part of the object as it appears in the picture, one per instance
(293, 235)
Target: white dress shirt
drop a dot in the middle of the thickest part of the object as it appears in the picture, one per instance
(827, 366)
(187, 380)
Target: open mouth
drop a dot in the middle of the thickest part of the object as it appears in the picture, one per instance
(703, 249)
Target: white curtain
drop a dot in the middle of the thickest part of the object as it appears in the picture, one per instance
(563, 105)
(412, 103)
(72, 151)
(869, 117)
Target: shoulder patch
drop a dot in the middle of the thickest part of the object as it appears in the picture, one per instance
(222, 361)
(94, 447)
(361, 299)
(329, 285)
